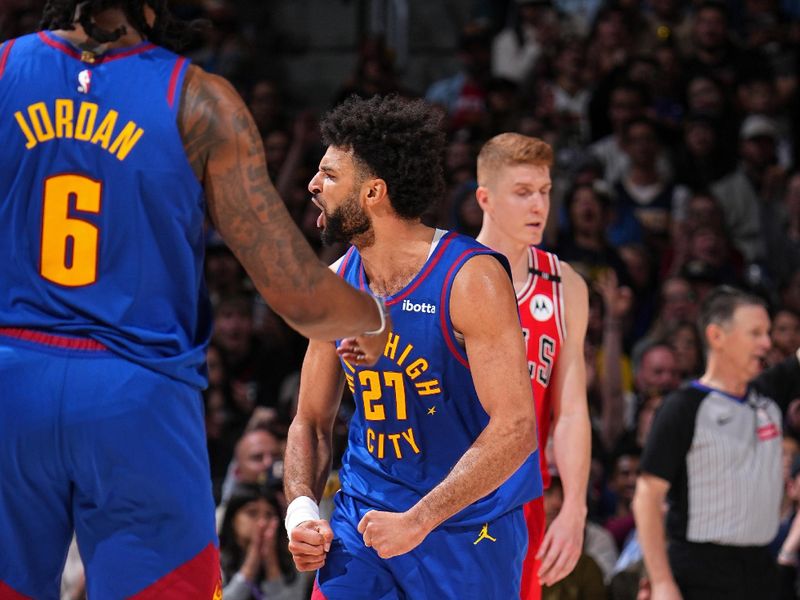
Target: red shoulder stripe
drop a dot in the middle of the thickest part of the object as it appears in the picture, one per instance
(173, 80)
(4, 56)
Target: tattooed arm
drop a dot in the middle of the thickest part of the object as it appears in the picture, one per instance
(224, 148)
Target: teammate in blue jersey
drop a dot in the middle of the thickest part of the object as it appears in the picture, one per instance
(440, 455)
(113, 149)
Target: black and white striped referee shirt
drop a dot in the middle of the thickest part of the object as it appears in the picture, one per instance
(721, 455)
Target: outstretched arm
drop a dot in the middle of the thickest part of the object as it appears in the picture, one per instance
(563, 542)
(224, 148)
(496, 354)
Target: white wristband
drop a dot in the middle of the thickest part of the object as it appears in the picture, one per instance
(382, 311)
(300, 509)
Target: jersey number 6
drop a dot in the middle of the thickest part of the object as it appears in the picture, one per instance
(69, 245)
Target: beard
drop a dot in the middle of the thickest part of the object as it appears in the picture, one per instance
(346, 223)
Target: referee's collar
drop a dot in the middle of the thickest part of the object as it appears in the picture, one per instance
(704, 388)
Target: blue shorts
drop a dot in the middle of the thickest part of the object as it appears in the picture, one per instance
(451, 563)
(93, 443)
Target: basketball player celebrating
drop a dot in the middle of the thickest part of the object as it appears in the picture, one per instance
(514, 193)
(432, 489)
(113, 151)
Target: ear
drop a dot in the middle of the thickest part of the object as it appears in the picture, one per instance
(482, 196)
(715, 335)
(374, 191)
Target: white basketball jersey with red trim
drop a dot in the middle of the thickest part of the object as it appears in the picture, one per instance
(541, 310)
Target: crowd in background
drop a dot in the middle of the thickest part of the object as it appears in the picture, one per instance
(676, 170)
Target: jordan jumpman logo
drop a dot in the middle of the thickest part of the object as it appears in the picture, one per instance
(484, 535)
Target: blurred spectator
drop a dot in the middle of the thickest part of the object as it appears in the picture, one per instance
(223, 50)
(570, 92)
(623, 484)
(265, 103)
(713, 50)
(785, 335)
(756, 181)
(463, 95)
(627, 101)
(516, 48)
(255, 369)
(610, 42)
(781, 230)
(224, 275)
(685, 342)
(253, 555)
(374, 72)
(642, 191)
(702, 157)
(666, 21)
(583, 243)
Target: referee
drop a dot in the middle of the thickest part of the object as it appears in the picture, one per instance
(714, 452)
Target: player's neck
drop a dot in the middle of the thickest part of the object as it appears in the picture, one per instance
(399, 251)
(515, 252)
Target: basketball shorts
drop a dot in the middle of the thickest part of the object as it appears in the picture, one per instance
(452, 562)
(531, 588)
(93, 443)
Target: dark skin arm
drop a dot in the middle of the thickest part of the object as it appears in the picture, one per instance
(224, 148)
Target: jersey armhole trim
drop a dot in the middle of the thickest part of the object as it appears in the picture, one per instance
(175, 77)
(448, 332)
(6, 50)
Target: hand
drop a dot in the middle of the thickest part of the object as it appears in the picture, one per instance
(269, 550)
(561, 547)
(309, 543)
(269, 546)
(252, 558)
(645, 592)
(617, 300)
(665, 590)
(365, 350)
(391, 534)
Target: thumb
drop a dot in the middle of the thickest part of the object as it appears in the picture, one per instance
(362, 524)
(327, 535)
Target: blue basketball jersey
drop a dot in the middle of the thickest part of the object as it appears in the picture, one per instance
(417, 411)
(101, 215)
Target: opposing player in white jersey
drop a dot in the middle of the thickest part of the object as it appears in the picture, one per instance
(514, 194)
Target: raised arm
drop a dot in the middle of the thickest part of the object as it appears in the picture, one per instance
(308, 453)
(224, 148)
(484, 309)
(617, 302)
(563, 543)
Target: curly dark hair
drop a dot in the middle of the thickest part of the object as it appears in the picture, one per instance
(397, 139)
(166, 31)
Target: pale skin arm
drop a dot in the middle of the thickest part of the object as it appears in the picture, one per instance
(563, 542)
(648, 509)
(504, 388)
(308, 449)
(224, 148)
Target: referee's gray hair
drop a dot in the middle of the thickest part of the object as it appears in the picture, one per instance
(720, 304)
